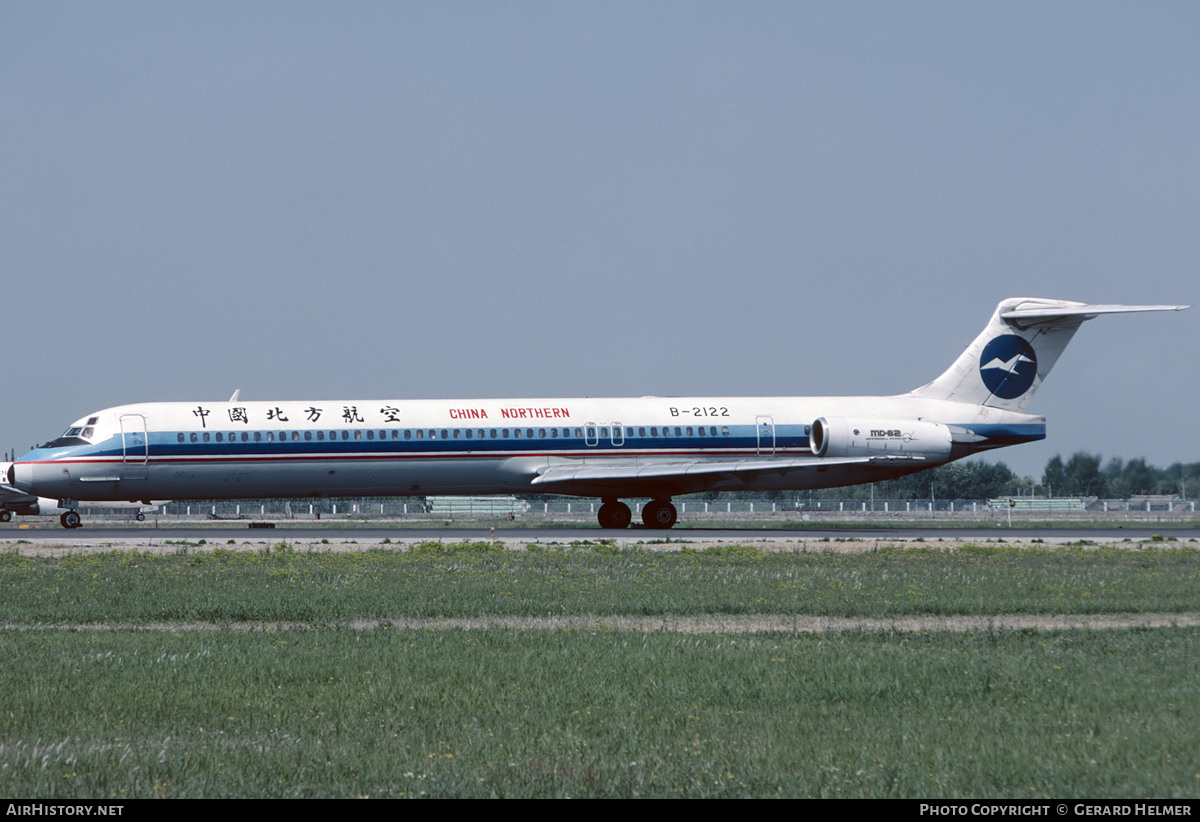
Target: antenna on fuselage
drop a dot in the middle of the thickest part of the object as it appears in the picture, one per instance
(234, 398)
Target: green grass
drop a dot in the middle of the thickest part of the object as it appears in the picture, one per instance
(468, 579)
(604, 713)
(95, 706)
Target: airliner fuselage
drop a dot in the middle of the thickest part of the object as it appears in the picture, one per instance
(429, 447)
(656, 447)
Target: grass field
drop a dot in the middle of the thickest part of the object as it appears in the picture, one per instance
(281, 671)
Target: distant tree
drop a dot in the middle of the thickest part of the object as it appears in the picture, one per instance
(1054, 478)
(1084, 478)
(1137, 478)
(1082, 475)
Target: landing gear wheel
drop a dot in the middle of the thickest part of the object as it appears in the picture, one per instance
(5, 516)
(139, 516)
(614, 515)
(70, 519)
(659, 514)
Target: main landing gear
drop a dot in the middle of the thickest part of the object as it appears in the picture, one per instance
(71, 519)
(658, 514)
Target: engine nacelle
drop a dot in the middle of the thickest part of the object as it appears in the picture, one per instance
(839, 437)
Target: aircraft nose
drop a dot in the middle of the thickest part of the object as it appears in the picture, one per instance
(20, 475)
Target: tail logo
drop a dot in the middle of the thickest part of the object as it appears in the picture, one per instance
(1008, 366)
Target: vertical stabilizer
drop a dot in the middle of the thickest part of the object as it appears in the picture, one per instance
(1007, 362)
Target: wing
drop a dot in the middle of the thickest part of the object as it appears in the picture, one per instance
(589, 477)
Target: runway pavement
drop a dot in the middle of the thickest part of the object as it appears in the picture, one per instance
(148, 533)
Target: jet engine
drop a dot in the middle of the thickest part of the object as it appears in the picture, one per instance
(840, 437)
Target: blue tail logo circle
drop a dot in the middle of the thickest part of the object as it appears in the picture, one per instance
(1008, 366)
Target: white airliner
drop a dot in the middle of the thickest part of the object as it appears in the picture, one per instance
(655, 447)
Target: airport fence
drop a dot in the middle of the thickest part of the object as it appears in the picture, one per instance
(507, 507)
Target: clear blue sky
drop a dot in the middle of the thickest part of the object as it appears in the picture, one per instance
(447, 199)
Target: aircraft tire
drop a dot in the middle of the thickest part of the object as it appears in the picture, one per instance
(614, 515)
(70, 519)
(5, 516)
(139, 516)
(659, 514)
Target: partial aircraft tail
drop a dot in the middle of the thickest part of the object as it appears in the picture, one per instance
(1006, 363)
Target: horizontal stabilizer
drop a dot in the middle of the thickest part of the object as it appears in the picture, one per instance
(1024, 317)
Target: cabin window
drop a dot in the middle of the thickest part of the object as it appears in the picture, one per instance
(542, 433)
(517, 433)
(308, 435)
(207, 438)
(689, 430)
(220, 438)
(445, 434)
(180, 437)
(320, 436)
(358, 435)
(724, 430)
(456, 433)
(494, 434)
(420, 434)
(371, 434)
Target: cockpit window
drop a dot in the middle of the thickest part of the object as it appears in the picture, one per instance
(72, 436)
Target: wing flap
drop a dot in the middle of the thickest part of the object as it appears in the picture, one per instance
(563, 475)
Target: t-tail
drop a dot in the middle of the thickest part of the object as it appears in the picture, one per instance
(1007, 363)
